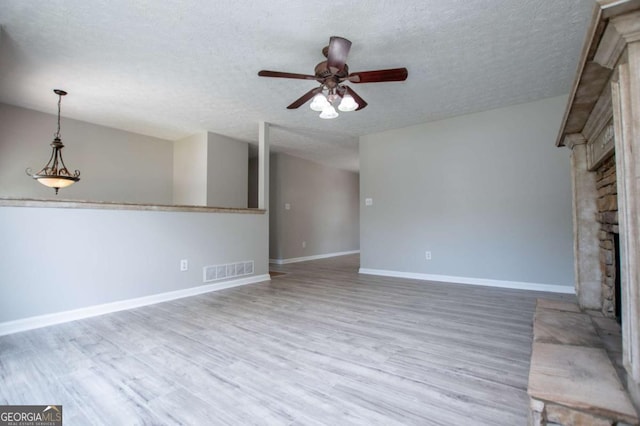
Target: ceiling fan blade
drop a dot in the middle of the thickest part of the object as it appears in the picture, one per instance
(361, 102)
(265, 73)
(379, 76)
(304, 98)
(338, 51)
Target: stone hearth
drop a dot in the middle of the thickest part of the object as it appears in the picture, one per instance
(573, 379)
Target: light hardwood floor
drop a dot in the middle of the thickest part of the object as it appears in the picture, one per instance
(319, 345)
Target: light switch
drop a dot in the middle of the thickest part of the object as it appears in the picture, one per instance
(287, 206)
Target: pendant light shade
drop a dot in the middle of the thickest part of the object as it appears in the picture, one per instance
(319, 102)
(329, 112)
(347, 104)
(55, 174)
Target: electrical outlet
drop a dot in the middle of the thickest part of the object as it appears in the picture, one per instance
(368, 201)
(184, 265)
(304, 244)
(427, 255)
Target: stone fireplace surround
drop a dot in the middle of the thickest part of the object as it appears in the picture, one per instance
(607, 216)
(601, 127)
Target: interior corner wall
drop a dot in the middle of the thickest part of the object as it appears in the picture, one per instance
(227, 177)
(275, 220)
(190, 170)
(488, 194)
(322, 211)
(115, 165)
(252, 190)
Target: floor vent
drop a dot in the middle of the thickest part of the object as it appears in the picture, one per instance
(228, 270)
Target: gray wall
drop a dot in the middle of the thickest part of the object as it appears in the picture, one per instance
(323, 209)
(115, 165)
(488, 194)
(210, 170)
(190, 170)
(63, 259)
(92, 257)
(227, 171)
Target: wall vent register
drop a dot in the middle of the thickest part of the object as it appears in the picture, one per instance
(227, 270)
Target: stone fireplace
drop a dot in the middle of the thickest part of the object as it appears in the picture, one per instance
(607, 217)
(601, 127)
(585, 367)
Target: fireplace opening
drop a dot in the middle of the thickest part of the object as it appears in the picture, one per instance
(617, 295)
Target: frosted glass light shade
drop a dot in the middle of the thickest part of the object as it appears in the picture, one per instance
(57, 182)
(347, 104)
(319, 102)
(328, 113)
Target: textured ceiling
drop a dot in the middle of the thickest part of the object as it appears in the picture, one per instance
(173, 68)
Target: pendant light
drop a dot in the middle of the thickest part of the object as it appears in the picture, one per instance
(55, 174)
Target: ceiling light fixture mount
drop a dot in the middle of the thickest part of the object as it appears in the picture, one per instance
(55, 174)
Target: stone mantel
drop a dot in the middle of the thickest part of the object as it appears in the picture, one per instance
(602, 51)
(107, 205)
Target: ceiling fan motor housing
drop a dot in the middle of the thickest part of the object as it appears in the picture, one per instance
(329, 79)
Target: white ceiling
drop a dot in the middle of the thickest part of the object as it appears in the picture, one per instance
(173, 68)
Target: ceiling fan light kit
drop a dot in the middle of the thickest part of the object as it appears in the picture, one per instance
(321, 104)
(331, 74)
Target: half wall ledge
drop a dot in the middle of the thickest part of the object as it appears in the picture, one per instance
(107, 205)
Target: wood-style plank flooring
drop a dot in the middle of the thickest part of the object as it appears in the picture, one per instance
(320, 345)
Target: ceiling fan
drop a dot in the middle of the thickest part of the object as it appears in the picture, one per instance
(331, 74)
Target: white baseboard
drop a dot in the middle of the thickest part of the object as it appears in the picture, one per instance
(315, 257)
(39, 321)
(552, 288)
